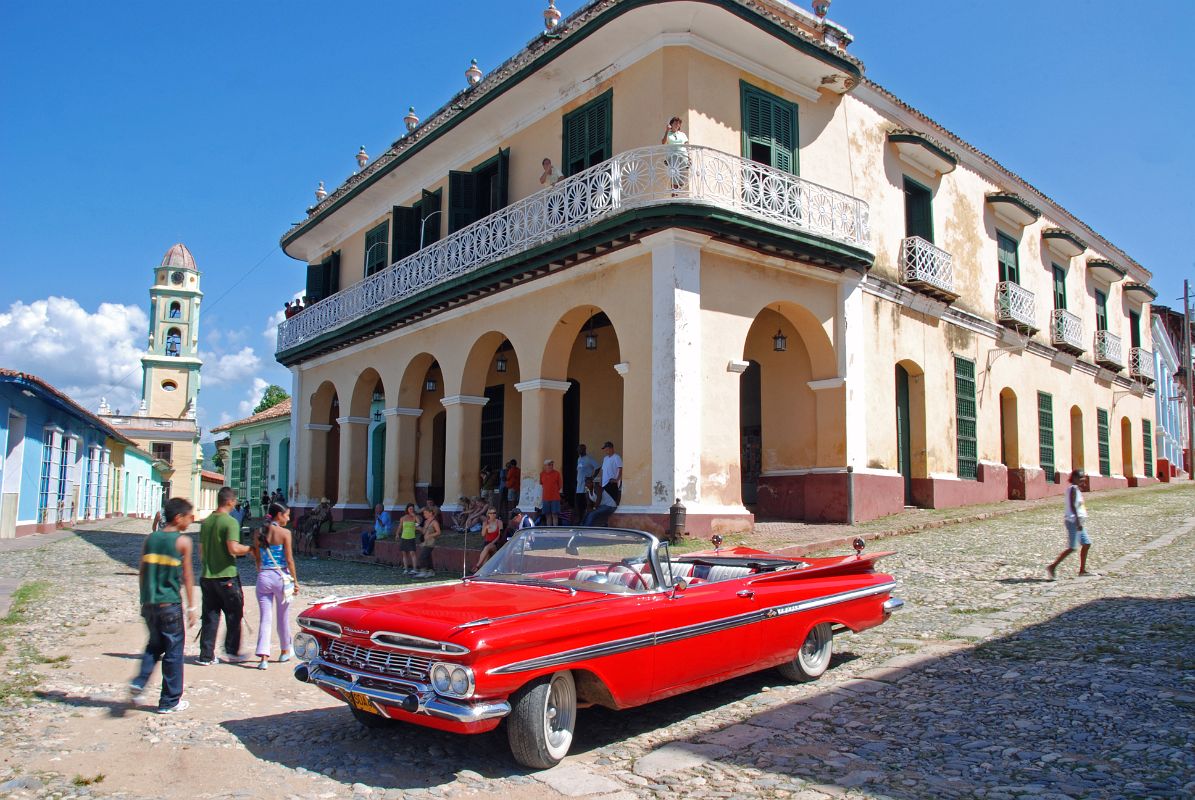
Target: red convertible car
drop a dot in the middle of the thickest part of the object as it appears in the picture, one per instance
(565, 618)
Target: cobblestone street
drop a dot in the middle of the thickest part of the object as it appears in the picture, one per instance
(992, 682)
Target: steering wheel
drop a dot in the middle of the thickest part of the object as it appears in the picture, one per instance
(623, 567)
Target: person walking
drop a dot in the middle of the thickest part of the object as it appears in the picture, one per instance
(167, 604)
(277, 582)
(611, 473)
(220, 585)
(587, 467)
(1075, 519)
(408, 538)
(550, 480)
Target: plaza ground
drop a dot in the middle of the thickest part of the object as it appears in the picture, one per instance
(992, 682)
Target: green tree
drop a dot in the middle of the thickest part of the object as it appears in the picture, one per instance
(273, 395)
(218, 462)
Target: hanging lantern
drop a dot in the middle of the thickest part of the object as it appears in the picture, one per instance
(362, 158)
(410, 120)
(473, 73)
(500, 364)
(590, 340)
(430, 385)
(320, 193)
(551, 17)
(779, 341)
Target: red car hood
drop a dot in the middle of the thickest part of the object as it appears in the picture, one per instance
(437, 612)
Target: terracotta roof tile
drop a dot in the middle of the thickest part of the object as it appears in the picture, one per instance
(274, 412)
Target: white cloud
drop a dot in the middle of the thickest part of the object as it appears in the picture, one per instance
(86, 355)
(226, 369)
(253, 397)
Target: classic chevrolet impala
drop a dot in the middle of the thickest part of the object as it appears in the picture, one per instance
(565, 618)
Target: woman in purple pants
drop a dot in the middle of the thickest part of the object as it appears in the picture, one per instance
(276, 581)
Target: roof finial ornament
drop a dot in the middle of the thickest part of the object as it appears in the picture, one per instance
(551, 17)
(320, 193)
(362, 158)
(821, 8)
(411, 120)
(473, 73)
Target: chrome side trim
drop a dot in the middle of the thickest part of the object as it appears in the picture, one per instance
(700, 629)
(420, 701)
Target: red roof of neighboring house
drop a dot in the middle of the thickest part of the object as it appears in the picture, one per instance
(273, 412)
(211, 477)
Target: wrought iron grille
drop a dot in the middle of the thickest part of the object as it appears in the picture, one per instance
(965, 418)
(635, 179)
(1045, 434)
(1014, 303)
(1101, 435)
(1141, 363)
(1108, 349)
(1066, 329)
(924, 263)
(382, 662)
(1147, 442)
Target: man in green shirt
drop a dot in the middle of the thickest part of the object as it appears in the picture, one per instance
(166, 582)
(220, 585)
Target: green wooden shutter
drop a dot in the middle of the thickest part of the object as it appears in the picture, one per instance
(965, 413)
(259, 454)
(375, 248)
(315, 282)
(769, 122)
(1147, 441)
(1101, 430)
(1045, 434)
(1006, 253)
(1059, 287)
(1134, 329)
(236, 477)
(427, 224)
(404, 232)
(587, 136)
(1101, 311)
(333, 280)
(462, 200)
(918, 210)
(503, 193)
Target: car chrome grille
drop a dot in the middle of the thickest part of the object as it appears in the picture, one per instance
(382, 662)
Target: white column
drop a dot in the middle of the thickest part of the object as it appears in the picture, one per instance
(676, 390)
(292, 469)
(851, 345)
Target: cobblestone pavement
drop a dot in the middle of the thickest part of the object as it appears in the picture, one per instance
(992, 682)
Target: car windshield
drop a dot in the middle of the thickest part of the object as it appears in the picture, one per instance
(586, 559)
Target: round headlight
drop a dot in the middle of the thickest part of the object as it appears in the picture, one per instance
(306, 646)
(441, 678)
(460, 681)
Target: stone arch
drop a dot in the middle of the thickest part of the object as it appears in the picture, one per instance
(911, 435)
(1077, 452)
(1010, 440)
(323, 460)
(562, 340)
(367, 384)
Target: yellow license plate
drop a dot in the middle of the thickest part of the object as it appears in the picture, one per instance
(362, 702)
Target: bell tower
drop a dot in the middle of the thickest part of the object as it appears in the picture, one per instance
(170, 366)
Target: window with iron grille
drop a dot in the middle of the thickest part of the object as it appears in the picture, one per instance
(965, 416)
(1045, 435)
(493, 414)
(1147, 439)
(1101, 429)
(48, 489)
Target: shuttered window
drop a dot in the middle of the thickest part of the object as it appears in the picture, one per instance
(769, 129)
(918, 210)
(236, 477)
(588, 134)
(375, 248)
(477, 194)
(323, 279)
(1147, 442)
(965, 418)
(259, 463)
(1045, 435)
(1101, 311)
(1101, 430)
(1009, 261)
(1059, 287)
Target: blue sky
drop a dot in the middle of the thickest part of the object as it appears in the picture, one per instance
(129, 126)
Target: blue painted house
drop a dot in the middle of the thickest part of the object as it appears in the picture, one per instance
(62, 464)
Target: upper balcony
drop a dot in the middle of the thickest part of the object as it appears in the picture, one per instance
(1141, 364)
(1066, 331)
(697, 178)
(1108, 351)
(927, 268)
(1015, 307)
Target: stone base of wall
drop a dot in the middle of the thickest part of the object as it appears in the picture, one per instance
(827, 497)
(1031, 484)
(1141, 480)
(990, 486)
(1099, 483)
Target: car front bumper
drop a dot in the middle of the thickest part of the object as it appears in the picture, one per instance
(390, 695)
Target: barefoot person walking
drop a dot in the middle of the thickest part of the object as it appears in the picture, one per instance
(277, 581)
(1076, 526)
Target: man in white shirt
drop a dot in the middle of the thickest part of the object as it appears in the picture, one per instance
(611, 472)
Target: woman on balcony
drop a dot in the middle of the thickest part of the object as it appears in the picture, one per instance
(678, 162)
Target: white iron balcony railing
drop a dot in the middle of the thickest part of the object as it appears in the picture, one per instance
(1141, 364)
(638, 178)
(1108, 352)
(1066, 330)
(927, 267)
(1014, 306)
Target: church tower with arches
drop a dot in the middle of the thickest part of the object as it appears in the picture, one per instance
(165, 424)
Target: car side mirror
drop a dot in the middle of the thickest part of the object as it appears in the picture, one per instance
(679, 587)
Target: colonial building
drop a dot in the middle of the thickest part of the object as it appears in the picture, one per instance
(256, 453)
(164, 424)
(818, 304)
(1171, 435)
(62, 465)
